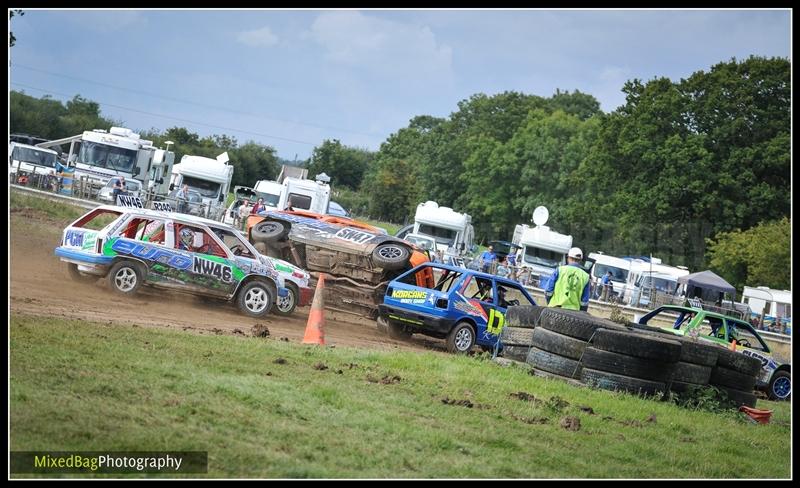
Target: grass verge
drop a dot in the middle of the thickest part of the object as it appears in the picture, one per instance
(272, 409)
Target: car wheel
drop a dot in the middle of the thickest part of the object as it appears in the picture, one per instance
(391, 256)
(780, 387)
(255, 299)
(461, 338)
(76, 275)
(286, 305)
(125, 278)
(268, 231)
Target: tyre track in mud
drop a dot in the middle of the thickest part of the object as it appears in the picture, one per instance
(40, 286)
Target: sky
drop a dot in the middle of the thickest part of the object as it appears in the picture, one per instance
(291, 79)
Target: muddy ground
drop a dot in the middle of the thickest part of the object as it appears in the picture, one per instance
(39, 285)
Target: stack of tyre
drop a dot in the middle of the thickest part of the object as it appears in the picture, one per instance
(706, 364)
(517, 334)
(560, 339)
(735, 375)
(627, 361)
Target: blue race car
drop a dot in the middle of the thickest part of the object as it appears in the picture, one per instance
(464, 307)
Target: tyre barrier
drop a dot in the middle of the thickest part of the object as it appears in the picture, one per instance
(735, 376)
(556, 343)
(516, 336)
(553, 363)
(572, 323)
(517, 353)
(525, 316)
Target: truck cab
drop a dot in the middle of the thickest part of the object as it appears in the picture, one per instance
(310, 195)
(452, 231)
(211, 178)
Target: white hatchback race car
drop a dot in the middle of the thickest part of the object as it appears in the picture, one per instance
(134, 247)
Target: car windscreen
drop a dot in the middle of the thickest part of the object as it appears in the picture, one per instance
(34, 156)
(619, 275)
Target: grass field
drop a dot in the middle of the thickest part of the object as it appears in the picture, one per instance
(272, 409)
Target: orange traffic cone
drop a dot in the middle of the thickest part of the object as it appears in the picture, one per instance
(316, 318)
(758, 415)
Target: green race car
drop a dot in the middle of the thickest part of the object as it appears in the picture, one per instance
(775, 379)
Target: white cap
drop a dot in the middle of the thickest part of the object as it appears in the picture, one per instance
(576, 253)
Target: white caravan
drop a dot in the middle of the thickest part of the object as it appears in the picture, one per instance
(99, 155)
(211, 178)
(542, 249)
(452, 231)
(775, 303)
(312, 196)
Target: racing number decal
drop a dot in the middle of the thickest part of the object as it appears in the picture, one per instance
(494, 327)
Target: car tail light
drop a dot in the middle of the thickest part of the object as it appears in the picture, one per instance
(298, 274)
(441, 303)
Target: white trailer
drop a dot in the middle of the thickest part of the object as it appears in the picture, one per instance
(619, 267)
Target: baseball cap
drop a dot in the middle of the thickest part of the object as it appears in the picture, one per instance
(576, 253)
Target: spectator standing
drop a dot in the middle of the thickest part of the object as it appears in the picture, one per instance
(244, 212)
(488, 258)
(606, 285)
(119, 188)
(182, 199)
(569, 286)
(259, 206)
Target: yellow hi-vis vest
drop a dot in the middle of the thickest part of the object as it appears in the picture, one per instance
(569, 288)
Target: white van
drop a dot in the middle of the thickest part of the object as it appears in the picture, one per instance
(620, 268)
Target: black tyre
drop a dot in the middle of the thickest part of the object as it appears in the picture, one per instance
(397, 331)
(651, 347)
(268, 231)
(736, 398)
(525, 316)
(695, 374)
(780, 386)
(573, 323)
(391, 256)
(738, 362)
(556, 343)
(125, 277)
(255, 299)
(461, 338)
(611, 381)
(692, 351)
(553, 363)
(517, 353)
(72, 270)
(613, 362)
(732, 379)
(286, 305)
(382, 325)
(516, 336)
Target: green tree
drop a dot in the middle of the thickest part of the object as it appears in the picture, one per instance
(759, 256)
(11, 13)
(345, 165)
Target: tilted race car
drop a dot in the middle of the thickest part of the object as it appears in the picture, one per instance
(132, 247)
(360, 259)
(775, 379)
(463, 306)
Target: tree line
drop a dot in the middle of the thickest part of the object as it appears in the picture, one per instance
(680, 171)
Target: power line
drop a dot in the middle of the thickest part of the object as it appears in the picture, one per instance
(188, 102)
(171, 118)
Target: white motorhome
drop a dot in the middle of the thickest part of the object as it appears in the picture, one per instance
(641, 267)
(99, 155)
(211, 178)
(620, 268)
(24, 158)
(542, 249)
(452, 231)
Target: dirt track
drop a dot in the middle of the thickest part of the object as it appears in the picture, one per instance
(40, 286)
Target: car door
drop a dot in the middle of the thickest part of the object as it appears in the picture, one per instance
(211, 271)
(481, 293)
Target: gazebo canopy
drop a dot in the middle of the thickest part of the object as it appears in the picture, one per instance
(707, 281)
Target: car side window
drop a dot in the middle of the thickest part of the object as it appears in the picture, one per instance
(237, 247)
(744, 336)
(195, 239)
(151, 231)
(480, 288)
(514, 295)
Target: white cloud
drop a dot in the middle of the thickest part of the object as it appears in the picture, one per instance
(384, 47)
(258, 38)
